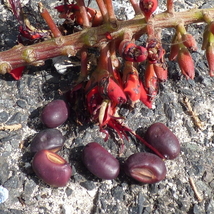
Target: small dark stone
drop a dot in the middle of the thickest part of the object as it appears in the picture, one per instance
(68, 191)
(21, 103)
(29, 187)
(169, 112)
(13, 182)
(196, 209)
(3, 116)
(133, 210)
(89, 185)
(117, 193)
(4, 170)
(16, 118)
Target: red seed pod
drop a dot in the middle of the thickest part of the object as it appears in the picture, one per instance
(161, 71)
(210, 59)
(189, 41)
(109, 89)
(186, 63)
(131, 52)
(148, 7)
(131, 83)
(151, 81)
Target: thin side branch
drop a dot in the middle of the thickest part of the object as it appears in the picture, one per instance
(50, 22)
(170, 6)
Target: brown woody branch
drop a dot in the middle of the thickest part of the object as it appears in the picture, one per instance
(69, 45)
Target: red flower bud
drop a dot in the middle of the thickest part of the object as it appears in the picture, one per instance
(148, 7)
(210, 59)
(189, 41)
(186, 63)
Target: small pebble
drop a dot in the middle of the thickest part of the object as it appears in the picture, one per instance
(3, 194)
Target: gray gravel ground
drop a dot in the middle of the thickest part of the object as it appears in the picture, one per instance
(21, 103)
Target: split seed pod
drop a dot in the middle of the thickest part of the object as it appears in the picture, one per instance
(148, 7)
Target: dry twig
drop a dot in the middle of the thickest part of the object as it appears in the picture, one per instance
(10, 127)
(197, 194)
(194, 116)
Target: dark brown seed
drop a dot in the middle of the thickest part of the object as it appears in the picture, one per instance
(51, 168)
(161, 138)
(50, 139)
(100, 162)
(145, 167)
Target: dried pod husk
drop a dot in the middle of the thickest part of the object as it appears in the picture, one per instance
(163, 139)
(189, 41)
(148, 7)
(145, 167)
(210, 59)
(186, 63)
(51, 168)
(100, 162)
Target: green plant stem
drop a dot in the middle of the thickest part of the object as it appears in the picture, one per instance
(69, 45)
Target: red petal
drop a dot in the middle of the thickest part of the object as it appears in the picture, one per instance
(17, 72)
